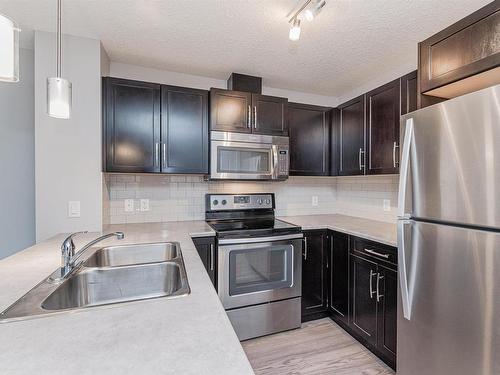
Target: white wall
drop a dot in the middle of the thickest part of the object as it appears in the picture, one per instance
(17, 160)
(68, 152)
(140, 73)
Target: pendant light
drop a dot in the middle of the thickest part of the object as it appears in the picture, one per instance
(59, 90)
(9, 50)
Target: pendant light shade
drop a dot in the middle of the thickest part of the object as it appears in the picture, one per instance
(9, 47)
(59, 97)
(59, 90)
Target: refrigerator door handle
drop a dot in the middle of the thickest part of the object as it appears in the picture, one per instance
(403, 277)
(405, 162)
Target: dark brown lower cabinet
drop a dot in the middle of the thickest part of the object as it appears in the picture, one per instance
(355, 282)
(208, 253)
(339, 277)
(314, 275)
(387, 313)
(364, 302)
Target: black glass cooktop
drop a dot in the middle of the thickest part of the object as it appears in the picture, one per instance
(251, 227)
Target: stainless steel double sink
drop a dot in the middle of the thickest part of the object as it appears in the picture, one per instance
(109, 275)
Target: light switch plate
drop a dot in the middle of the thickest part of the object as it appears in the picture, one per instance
(387, 204)
(129, 205)
(314, 200)
(144, 204)
(74, 209)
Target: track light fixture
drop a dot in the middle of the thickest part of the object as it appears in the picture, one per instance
(294, 34)
(308, 10)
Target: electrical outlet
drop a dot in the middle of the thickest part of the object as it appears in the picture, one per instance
(314, 200)
(129, 205)
(74, 209)
(387, 204)
(144, 204)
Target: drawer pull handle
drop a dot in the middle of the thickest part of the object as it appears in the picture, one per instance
(373, 252)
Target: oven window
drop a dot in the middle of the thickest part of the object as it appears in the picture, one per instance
(259, 269)
(243, 160)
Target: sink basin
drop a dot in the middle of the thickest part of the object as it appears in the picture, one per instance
(93, 287)
(109, 275)
(115, 256)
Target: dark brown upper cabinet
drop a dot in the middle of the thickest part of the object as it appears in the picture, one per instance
(309, 131)
(409, 93)
(230, 111)
(382, 130)
(132, 126)
(153, 128)
(462, 58)
(269, 115)
(184, 130)
(243, 112)
(351, 128)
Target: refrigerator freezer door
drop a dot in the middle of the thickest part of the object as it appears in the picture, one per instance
(451, 277)
(451, 155)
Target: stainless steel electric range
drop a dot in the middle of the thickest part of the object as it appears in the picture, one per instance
(259, 263)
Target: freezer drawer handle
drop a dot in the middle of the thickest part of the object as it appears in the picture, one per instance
(372, 292)
(386, 256)
(403, 276)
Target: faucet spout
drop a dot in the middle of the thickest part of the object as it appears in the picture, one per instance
(69, 258)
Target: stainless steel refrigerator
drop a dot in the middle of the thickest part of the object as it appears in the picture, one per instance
(449, 238)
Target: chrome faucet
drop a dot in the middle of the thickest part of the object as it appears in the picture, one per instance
(69, 258)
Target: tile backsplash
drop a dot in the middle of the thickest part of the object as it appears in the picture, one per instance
(182, 197)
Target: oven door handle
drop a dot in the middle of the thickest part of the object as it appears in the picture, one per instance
(259, 239)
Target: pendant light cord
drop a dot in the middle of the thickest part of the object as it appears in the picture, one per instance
(59, 36)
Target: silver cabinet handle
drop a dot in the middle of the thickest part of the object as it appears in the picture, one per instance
(164, 155)
(211, 257)
(394, 147)
(255, 117)
(305, 248)
(157, 154)
(379, 296)
(361, 165)
(249, 116)
(372, 292)
(370, 251)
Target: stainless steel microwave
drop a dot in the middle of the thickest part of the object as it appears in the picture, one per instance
(240, 156)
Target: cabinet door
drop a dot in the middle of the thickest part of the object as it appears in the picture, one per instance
(230, 111)
(387, 289)
(269, 115)
(309, 128)
(462, 50)
(207, 252)
(132, 126)
(364, 299)
(184, 130)
(352, 137)
(409, 93)
(382, 131)
(339, 276)
(314, 296)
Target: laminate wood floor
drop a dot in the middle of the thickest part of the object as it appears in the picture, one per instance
(319, 347)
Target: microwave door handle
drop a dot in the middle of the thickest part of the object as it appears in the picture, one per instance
(274, 151)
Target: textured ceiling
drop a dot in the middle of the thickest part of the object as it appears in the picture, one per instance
(350, 43)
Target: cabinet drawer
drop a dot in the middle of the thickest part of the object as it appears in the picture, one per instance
(374, 250)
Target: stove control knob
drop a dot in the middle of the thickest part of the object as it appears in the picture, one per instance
(259, 201)
(224, 202)
(268, 201)
(215, 202)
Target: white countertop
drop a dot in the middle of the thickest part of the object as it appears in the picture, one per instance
(186, 335)
(370, 229)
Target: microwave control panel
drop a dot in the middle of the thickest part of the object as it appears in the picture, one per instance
(283, 161)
